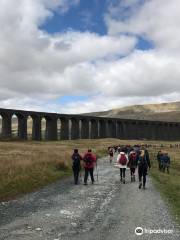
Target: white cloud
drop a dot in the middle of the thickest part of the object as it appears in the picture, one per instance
(37, 68)
(156, 20)
(140, 74)
(33, 62)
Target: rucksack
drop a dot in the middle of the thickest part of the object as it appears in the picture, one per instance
(123, 159)
(166, 159)
(88, 159)
(76, 160)
(133, 157)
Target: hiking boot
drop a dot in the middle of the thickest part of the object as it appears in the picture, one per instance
(140, 185)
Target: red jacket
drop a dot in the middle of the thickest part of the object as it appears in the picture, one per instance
(90, 164)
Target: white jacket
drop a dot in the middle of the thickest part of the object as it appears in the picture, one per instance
(118, 158)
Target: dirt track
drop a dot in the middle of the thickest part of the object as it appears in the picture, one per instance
(107, 210)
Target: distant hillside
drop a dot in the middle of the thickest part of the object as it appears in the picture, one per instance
(159, 112)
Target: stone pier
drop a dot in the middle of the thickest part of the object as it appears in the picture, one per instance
(75, 130)
(85, 128)
(94, 129)
(64, 132)
(36, 131)
(51, 128)
(6, 125)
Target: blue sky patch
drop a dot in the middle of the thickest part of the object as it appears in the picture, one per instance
(144, 44)
(68, 99)
(88, 15)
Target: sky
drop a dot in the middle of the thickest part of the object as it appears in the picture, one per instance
(76, 56)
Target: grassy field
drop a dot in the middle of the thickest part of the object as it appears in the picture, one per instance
(27, 166)
(168, 184)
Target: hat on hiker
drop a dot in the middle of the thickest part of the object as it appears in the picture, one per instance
(132, 152)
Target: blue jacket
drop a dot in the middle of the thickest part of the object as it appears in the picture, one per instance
(165, 159)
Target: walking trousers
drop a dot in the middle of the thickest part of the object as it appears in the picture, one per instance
(87, 171)
(132, 171)
(122, 172)
(142, 171)
(76, 174)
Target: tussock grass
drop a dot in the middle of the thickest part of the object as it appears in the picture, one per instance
(27, 166)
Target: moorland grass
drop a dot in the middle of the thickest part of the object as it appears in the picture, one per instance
(27, 166)
(168, 184)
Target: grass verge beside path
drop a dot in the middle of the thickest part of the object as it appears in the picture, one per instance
(27, 166)
(169, 184)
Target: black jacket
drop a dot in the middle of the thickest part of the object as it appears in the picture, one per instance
(144, 161)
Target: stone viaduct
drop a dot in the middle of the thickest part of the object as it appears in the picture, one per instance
(85, 127)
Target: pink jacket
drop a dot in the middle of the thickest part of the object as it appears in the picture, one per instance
(93, 160)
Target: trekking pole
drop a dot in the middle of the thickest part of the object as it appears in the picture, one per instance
(96, 165)
(80, 175)
(97, 171)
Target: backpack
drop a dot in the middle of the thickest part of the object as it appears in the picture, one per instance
(88, 159)
(123, 159)
(76, 160)
(133, 157)
(166, 159)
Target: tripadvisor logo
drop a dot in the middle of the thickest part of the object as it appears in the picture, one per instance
(139, 231)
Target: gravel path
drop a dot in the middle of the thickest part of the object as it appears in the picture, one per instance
(107, 210)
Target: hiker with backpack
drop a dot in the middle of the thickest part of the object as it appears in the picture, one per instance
(111, 154)
(89, 164)
(165, 159)
(159, 159)
(122, 161)
(143, 165)
(132, 164)
(76, 165)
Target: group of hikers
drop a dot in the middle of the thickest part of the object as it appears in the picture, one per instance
(163, 161)
(89, 162)
(131, 157)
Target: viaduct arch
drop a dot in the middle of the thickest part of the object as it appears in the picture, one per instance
(85, 127)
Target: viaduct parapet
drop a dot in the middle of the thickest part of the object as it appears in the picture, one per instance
(85, 127)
